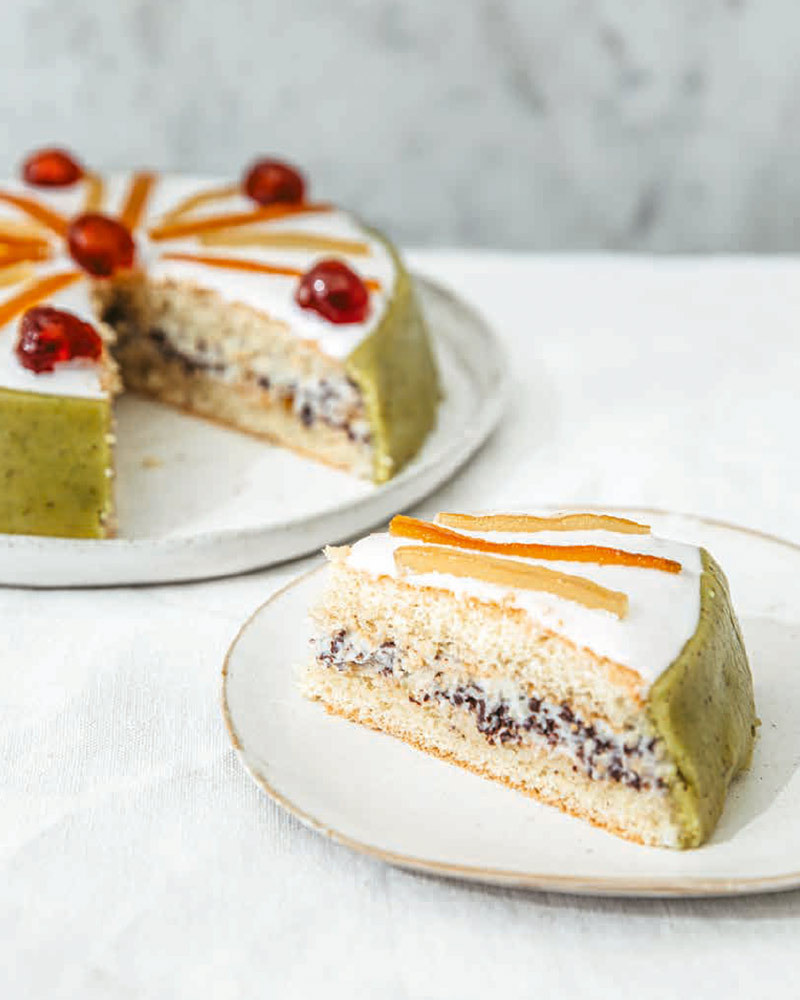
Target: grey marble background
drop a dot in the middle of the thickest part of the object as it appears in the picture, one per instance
(541, 124)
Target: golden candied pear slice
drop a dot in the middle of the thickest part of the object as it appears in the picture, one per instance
(13, 274)
(94, 193)
(139, 190)
(286, 240)
(528, 522)
(510, 573)
(16, 231)
(194, 201)
(209, 223)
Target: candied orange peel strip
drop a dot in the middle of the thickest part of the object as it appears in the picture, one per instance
(13, 274)
(239, 264)
(48, 217)
(528, 522)
(34, 293)
(139, 190)
(194, 201)
(285, 240)
(94, 192)
(510, 573)
(209, 223)
(424, 531)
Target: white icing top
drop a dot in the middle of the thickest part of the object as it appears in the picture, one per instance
(272, 294)
(663, 610)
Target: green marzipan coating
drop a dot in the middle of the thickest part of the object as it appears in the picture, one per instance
(704, 710)
(396, 373)
(55, 458)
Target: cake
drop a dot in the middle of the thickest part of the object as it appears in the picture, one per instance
(575, 657)
(247, 303)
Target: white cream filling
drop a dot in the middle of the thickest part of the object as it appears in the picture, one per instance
(506, 713)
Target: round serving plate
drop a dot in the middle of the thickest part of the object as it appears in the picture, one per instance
(196, 500)
(379, 796)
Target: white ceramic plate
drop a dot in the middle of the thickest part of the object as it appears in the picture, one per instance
(377, 795)
(196, 500)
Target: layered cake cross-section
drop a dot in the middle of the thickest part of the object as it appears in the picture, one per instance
(574, 657)
(249, 303)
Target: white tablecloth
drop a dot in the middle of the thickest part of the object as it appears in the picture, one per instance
(137, 858)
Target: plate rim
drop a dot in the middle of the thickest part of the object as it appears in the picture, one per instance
(400, 491)
(689, 887)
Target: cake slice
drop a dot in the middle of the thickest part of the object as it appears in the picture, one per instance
(56, 421)
(576, 658)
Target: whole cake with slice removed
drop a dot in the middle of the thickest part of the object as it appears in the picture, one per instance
(247, 303)
(574, 657)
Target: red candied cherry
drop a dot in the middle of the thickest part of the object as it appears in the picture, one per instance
(270, 181)
(51, 168)
(335, 291)
(48, 335)
(100, 244)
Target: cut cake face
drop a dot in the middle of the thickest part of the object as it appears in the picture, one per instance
(286, 319)
(576, 658)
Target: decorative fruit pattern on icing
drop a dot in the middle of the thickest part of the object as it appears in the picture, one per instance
(51, 168)
(335, 291)
(102, 244)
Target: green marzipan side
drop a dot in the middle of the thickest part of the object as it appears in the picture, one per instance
(396, 373)
(703, 709)
(55, 454)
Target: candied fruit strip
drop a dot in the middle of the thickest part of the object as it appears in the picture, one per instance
(48, 217)
(291, 240)
(19, 231)
(424, 531)
(193, 201)
(233, 264)
(238, 264)
(17, 252)
(510, 573)
(94, 193)
(209, 223)
(13, 274)
(528, 522)
(139, 190)
(35, 293)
